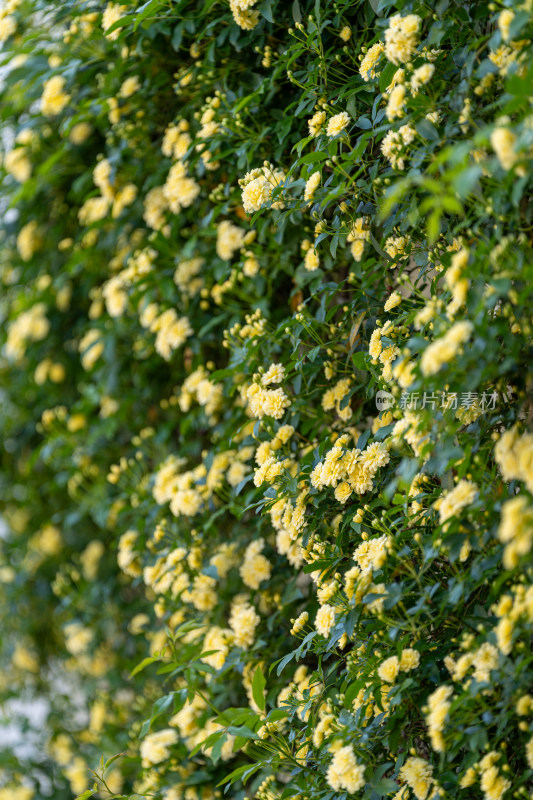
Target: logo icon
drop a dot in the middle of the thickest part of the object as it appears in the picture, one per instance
(384, 400)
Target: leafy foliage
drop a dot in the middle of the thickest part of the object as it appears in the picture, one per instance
(267, 458)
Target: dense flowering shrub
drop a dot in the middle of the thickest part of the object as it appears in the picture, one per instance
(267, 443)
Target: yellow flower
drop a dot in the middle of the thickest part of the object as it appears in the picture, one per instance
(325, 620)
(17, 163)
(338, 123)
(28, 240)
(112, 13)
(255, 568)
(453, 501)
(343, 492)
(444, 349)
(401, 37)
(367, 70)
(299, 623)
(357, 249)
(529, 753)
(503, 142)
(244, 15)
(316, 123)
(155, 746)
(421, 76)
(274, 374)
(180, 191)
(130, 86)
(396, 104)
(311, 186)
(90, 559)
(311, 260)
(344, 772)
(505, 18)
(394, 300)
(255, 194)
(229, 239)
(389, 669)
(417, 773)
(8, 26)
(91, 347)
(524, 705)
(504, 635)
(54, 99)
(438, 707)
(469, 778)
(243, 622)
(410, 659)
(516, 530)
(76, 422)
(345, 33)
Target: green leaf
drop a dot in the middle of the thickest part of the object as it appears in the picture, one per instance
(120, 24)
(145, 10)
(241, 772)
(376, 245)
(258, 688)
(364, 123)
(240, 486)
(359, 360)
(208, 742)
(177, 37)
(312, 158)
(112, 759)
(242, 730)
(296, 11)
(266, 10)
(433, 225)
(216, 750)
(144, 663)
(283, 662)
(427, 130)
(159, 706)
(386, 76)
(384, 786)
